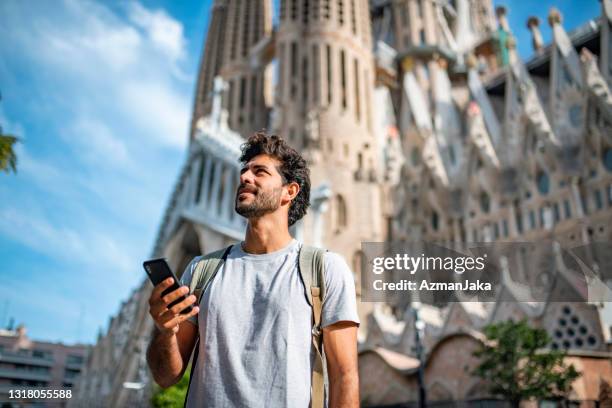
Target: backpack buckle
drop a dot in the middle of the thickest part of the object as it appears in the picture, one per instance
(316, 331)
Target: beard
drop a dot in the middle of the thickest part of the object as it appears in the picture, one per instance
(264, 202)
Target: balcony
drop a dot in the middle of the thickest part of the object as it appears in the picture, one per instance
(16, 358)
(25, 374)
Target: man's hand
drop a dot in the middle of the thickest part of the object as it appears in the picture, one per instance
(174, 336)
(340, 344)
(166, 319)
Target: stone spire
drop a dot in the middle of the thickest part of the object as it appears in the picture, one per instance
(533, 24)
(501, 13)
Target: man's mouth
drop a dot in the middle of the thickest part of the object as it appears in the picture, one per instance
(246, 191)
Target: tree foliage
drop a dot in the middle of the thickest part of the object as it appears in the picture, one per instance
(516, 363)
(171, 397)
(8, 158)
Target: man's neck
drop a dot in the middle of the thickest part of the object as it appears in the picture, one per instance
(265, 235)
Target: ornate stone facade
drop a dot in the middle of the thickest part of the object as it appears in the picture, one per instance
(420, 122)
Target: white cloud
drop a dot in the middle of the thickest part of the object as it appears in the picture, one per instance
(165, 32)
(80, 245)
(96, 142)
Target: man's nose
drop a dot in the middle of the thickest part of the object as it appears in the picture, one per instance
(246, 177)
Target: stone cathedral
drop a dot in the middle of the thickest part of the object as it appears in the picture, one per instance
(420, 122)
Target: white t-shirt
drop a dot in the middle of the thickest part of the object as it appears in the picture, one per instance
(255, 329)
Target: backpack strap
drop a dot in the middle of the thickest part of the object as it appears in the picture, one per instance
(206, 269)
(312, 270)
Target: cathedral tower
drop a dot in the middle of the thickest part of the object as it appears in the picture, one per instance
(325, 88)
(236, 29)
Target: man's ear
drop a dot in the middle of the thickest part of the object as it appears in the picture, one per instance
(292, 191)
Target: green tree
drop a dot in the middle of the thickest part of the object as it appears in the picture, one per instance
(518, 366)
(8, 158)
(171, 397)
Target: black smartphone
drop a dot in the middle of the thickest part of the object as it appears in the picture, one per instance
(158, 271)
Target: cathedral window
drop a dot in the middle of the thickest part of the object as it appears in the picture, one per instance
(357, 94)
(598, 199)
(567, 208)
(305, 82)
(532, 219)
(293, 58)
(343, 77)
(316, 69)
(353, 17)
(305, 11)
(607, 159)
(293, 9)
(329, 73)
(242, 92)
(556, 212)
(543, 182)
(485, 202)
(415, 156)
(341, 216)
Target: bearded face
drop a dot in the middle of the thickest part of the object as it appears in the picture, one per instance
(254, 202)
(260, 189)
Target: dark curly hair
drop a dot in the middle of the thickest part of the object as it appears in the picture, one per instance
(293, 168)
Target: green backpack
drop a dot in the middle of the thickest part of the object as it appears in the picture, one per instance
(312, 271)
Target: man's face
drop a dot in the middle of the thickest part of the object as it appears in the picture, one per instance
(261, 187)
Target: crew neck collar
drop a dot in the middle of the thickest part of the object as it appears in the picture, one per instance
(287, 248)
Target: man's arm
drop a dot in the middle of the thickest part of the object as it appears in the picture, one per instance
(173, 337)
(340, 343)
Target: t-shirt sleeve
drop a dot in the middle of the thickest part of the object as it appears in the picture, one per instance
(340, 299)
(186, 280)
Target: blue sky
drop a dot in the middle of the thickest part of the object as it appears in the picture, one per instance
(101, 95)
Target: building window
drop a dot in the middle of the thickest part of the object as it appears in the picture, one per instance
(316, 69)
(329, 73)
(343, 77)
(532, 219)
(543, 182)
(519, 219)
(305, 81)
(567, 208)
(340, 12)
(293, 6)
(598, 199)
(357, 94)
(341, 216)
(435, 221)
(415, 156)
(422, 36)
(505, 227)
(557, 212)
(353, 17)
(485, 202)
(242, 99)
(607, 158)
(293, 58)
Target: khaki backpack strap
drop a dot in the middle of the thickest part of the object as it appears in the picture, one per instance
(205, 270)
(312, 270)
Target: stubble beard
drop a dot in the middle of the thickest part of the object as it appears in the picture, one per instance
(264, 202)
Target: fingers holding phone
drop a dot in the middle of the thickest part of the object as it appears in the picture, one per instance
(169, 303)
(166, 312)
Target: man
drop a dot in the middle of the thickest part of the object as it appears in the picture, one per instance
(255, 320)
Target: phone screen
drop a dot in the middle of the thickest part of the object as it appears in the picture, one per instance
(159, 270)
